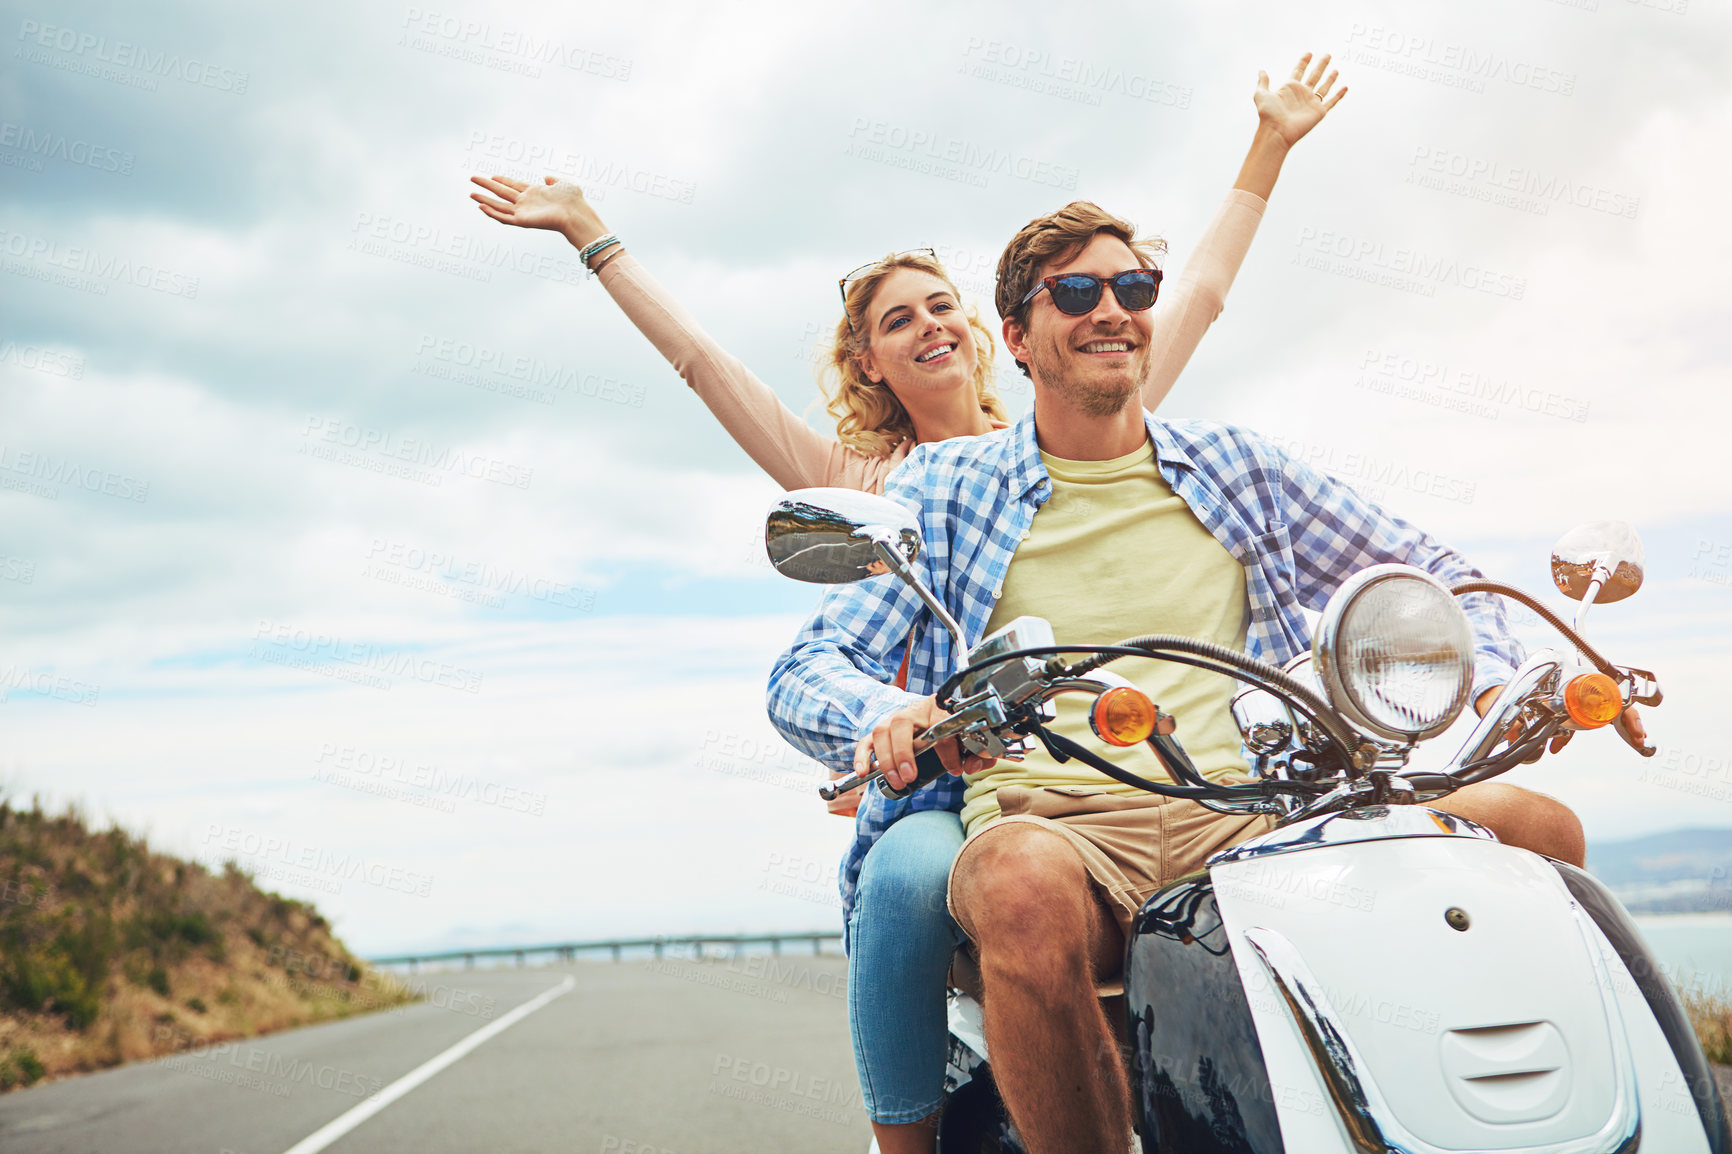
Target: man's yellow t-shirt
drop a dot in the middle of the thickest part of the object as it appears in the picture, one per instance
(1115, 552)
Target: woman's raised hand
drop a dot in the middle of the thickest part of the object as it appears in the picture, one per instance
(552, 205)
(1294, 109)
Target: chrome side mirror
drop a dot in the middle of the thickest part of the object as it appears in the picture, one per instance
(1599, 562)
(1267, 723)
(830, 536)
(1264, 722)
(836, 536)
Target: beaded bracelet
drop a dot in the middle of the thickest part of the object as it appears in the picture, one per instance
(596, 246)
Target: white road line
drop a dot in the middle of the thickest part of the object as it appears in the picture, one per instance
(342, 1124)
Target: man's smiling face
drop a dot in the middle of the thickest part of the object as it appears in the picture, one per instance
(1096, 361)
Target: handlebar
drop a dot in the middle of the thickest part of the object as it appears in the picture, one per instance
(988, 717)
(928, 767)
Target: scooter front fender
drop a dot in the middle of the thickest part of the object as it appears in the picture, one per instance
(1457, 980)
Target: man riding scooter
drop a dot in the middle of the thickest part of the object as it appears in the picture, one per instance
(1107, 522)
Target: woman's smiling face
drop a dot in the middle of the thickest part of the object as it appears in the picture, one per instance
(918, 339)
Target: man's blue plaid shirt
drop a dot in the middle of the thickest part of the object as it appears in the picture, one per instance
(1297, 532)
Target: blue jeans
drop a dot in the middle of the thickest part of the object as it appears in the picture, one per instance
(902, 938)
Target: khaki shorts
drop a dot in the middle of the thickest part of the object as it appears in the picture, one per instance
(1131, 846)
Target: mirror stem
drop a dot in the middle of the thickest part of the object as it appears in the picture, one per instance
(893, 559)
(1601, 576)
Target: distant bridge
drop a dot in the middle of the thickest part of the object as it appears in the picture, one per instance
(569, 951)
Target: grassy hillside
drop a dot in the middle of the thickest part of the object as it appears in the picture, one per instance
(110, 952)
(1711, 1013)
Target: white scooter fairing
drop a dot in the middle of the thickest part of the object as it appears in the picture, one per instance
(1394, 979)
(1373, 977)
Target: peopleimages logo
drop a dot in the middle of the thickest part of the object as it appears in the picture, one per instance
(355, 767)
(306, 648)
(1375, 477)
(88, 52)
(1712, 561)
(52, 470)
(1512, 186)
(315, 860)
(1460, 389)
(447, 357)
(1065, 77)
(44, 684)
(52, 362)
(503, 46)
(483, 579)
(466, 255)
(918, 149)
(535, 159)
(1452, 64)
(58, 146)
(411, 452)
(97, 268)
(1396, 266)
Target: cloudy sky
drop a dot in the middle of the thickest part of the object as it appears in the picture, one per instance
(356, 536)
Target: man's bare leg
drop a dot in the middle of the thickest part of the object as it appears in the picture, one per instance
(1522, 818)
(1040, 935)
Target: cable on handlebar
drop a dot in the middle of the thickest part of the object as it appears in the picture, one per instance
(1487, 768)
(946, 691)
(1550, 618)
(1179, 765)
(1212, 792)
(1186, 651)
(1315, 707)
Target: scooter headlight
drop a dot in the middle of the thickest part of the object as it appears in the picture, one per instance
(1395, 653)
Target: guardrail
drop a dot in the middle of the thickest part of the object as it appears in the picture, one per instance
(569, 951)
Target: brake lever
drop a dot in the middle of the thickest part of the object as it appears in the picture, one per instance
(1641, 747)
(928, 767)
(1645, 693)
(1644, 689)
(972, 716)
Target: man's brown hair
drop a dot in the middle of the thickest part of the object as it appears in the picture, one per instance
(1057, 237)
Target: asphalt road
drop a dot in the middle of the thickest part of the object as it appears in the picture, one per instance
(636, 1057)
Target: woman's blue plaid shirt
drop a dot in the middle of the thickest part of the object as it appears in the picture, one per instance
(1297, 532)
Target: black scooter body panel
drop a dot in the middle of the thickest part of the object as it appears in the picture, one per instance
(1198, 1077)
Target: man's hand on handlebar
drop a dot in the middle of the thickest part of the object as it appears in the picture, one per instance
(1634, 733)
(1629, 725)
(892, 740)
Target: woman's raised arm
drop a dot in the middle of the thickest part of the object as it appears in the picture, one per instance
(1284, 116)
(793, 453)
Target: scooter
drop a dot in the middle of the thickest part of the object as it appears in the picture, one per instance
(1372, 976)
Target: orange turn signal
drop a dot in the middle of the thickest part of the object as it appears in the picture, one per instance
(1593, 700)
(1123, 716)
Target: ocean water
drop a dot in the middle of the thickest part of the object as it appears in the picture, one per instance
(1694, 947)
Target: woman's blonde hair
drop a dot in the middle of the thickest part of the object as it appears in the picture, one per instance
(869, 418)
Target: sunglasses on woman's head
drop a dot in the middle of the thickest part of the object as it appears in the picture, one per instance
(1077, 293)
(871, 265)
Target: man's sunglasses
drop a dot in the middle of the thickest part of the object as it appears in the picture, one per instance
(1079, 292)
